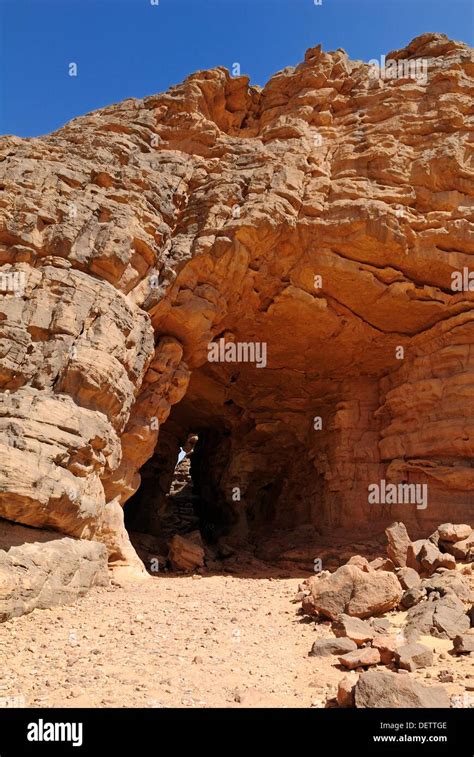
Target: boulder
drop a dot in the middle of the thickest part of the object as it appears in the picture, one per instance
(408, 577)
(328, 647)
(382, 563)
(461, 550)
(412, 596)
(48, 573)
(454, 532)
(185, 553)
(398, 543)
(413, 553)
(463, 644)
(431, 558)
(360, 658)
(412, 656)
(351, 591)
(448, 582)
(450, 618)
(445, 618)
(386, 646)
(377, 688)
(358, 630)
(361, 563)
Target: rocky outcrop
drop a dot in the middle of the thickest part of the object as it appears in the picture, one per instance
(319, 222)
(40, 569)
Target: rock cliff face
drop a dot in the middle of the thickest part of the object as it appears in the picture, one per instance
(319, 220)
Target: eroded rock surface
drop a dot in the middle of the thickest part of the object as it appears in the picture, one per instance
(43, 569)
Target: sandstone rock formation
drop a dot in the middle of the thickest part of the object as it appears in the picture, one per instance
(321, 216)
(40, 569)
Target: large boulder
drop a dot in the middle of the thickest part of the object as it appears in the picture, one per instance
(51, 571)
(382, 689)
(351, 591)
(444, 618)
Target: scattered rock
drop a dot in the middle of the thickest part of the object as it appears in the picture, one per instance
(358, 630)
(361, 563)
(383, 689)
(444, 676)
(445, 618)
(398, 543)
(361, 658)
(328, 647)
(382, 563)
(381, 625)
(351, 591)
(185, 553)
(431, 558)
(464, 643)
(413, 552)
(409, 578)
(452, 533)
(411, 597)
(450, 617)
(386, 646)
(461, 550)
(345, 691)
(412, 656)
(450, 581)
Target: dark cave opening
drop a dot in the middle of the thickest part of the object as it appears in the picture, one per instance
(177, 494)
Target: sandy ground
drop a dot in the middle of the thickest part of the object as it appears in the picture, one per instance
(184, 641)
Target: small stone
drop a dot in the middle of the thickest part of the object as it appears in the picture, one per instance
(444, 676)
(464, 643)
(382, 563)
(412, 597)
(360, 658)
(345, 691)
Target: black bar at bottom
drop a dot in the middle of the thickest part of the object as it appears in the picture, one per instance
(149, 731)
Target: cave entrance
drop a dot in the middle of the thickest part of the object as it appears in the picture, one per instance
(177, 496)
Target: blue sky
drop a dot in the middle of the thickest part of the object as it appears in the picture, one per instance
(131, 48)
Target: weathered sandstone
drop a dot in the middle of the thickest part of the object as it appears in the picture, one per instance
(322, 216)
